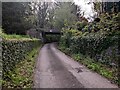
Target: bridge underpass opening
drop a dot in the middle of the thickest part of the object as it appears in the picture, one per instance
(52, 38)
(49, 37)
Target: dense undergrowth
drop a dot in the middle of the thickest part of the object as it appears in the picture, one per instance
(95, 45)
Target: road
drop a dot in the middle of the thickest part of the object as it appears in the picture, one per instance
(54, 69)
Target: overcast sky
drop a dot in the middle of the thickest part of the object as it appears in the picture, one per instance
(85, 7)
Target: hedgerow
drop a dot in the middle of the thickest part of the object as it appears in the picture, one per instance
(97, 40)
(92, 44)
(14, 51)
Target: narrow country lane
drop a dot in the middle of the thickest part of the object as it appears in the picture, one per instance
(56, 70)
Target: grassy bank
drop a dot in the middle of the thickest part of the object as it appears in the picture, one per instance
(22, 75)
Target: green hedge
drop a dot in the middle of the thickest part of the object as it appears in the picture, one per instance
(100, 47)
(14, 51)
(96, 40)
(97, 51)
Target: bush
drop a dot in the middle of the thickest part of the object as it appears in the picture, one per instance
(99, 46)
(99, 41)
(81, 25)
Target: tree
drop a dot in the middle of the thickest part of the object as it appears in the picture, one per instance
(0, 15)
(42, 13)
(16, 17)
(103, 6)
(65, 15)
(50, 17)
(98, 7)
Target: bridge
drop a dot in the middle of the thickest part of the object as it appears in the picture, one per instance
(44, 33)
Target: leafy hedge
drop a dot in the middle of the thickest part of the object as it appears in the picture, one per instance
(14, 51)
(98, 46)
(96, 40)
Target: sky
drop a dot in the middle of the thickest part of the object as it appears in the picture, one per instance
(85, 7)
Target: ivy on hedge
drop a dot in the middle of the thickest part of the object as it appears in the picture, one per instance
(13, 51)
(95, 45)
(96, 40)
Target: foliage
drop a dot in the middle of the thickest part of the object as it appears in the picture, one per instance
(101, 68)
(13, 36)
(22, 75)
(109, 7)
(1, 31)
(65, 15)
(81, 25)
(97, 40)
(42, 13)
(97, 6)
(16, 17)
(95, 66)
(96, 45)
(13, 52)
(52, 38)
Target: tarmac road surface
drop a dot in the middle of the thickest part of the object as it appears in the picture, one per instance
(54, 69)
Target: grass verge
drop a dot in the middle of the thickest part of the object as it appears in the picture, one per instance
(14, 36)
(109, 73)
(22, 75)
